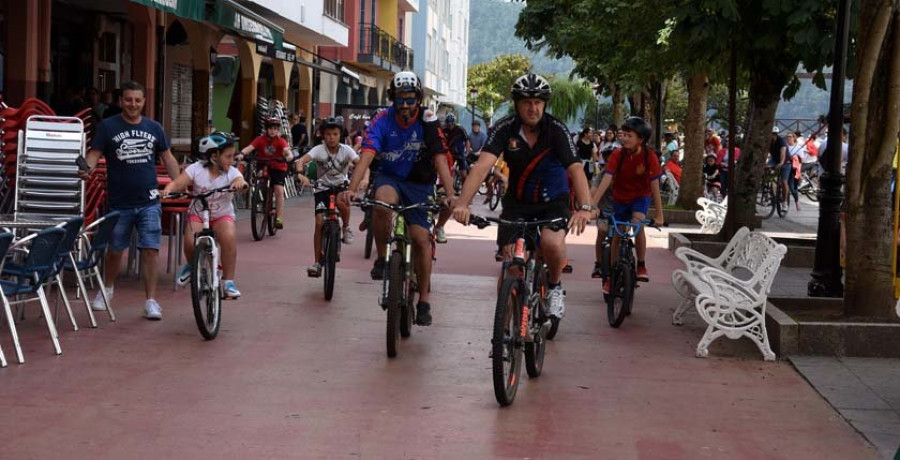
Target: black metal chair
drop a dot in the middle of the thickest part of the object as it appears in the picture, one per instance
(96, 238)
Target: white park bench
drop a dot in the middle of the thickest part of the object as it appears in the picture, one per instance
(730, 291)
(712, 216)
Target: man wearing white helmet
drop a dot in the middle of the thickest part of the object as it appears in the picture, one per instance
(412, 152)
(542, 162)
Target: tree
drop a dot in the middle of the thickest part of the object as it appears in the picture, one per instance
(570, 96)
(493, 79)
(874, 129)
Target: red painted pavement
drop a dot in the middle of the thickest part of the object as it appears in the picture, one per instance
(291, 376)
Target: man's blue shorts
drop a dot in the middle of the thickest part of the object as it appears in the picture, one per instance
(148, 222)
(625, 211)
(410, 193)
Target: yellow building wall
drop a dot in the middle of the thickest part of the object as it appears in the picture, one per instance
(387, 17)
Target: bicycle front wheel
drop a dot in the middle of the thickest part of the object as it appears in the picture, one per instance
(394, 303)
(782, 205)
(205, 294)
(258, 214)
(621, 294)
(534, 350)
(495, 197)
(370, 235)
(270, 212)
(506, 351)
(330, 245)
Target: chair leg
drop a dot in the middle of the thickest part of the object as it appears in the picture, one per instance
(7, 310)
(62, 292)
(109, 310)
(86, 298)
(54, 335)
(3, 362)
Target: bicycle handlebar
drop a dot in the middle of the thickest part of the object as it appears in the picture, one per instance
(206, 194)
(559, 223)
(637, 227)
(427, 205)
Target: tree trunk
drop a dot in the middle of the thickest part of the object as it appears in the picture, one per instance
(618, 106)
(694, 125)
(765, 93)
(873, 143)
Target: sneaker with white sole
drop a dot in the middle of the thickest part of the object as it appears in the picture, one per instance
(152, 310)
(98, 304)
(231, 290)
(184, 275)
(348, 236)
(440, 235)
(557, 300)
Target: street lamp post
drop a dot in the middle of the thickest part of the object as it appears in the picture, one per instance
(473, 93)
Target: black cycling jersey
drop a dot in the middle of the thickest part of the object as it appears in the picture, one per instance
(536, 174)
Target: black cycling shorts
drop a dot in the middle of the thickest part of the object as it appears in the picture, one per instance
(513, 210)
(277, 176)
(322, 199)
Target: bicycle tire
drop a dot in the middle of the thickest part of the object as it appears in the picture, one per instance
(483, 188)
(457, 182)
(782, 206)
(495, 198)
(407, 313)
(771, 201)
(205, 298)
(534, 350)
(330, 245)
(395, 295)
(506, 354)
(270, 211)
(621, 294)
(258, 212)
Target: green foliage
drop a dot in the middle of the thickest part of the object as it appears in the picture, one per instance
(570, 96)
(718, 105)
(676, 108)
(597, 115)
(493, 79)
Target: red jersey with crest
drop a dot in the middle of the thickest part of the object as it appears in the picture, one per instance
(632, 179)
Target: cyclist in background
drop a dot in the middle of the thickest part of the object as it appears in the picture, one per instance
(333, 160)
(633, 172)
(458, 141)
(412, 152)
(213, 169)
(541, 157)
(271, 146)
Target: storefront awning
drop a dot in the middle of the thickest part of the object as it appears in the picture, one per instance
(188, 9)
(241, 20)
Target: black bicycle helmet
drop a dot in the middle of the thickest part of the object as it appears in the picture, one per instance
(531, 85)
(638, 126)
(272, 121)
(405, 81)
(213, 143)
(332, 122)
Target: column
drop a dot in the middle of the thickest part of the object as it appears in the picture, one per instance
(23, 30)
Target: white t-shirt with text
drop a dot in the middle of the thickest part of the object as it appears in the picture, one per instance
(332, 170)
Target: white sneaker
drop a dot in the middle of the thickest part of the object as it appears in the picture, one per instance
(348, 236)
(152, 310)
(98, 304)
(440, 235)
(557, 299)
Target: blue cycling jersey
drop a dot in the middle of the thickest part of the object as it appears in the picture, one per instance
(405, 151)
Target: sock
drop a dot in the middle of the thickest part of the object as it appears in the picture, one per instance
(554, 285)
(642, 264)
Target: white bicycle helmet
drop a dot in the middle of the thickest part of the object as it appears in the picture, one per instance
(531, 85)
(405, 81)
(214, 143)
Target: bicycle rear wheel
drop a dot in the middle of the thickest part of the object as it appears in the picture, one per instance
(621, 294)
(258, 214)
(330, 246)
(506, 352)
(394, 301)
(534, 350)
(495, 197)
(206, 298)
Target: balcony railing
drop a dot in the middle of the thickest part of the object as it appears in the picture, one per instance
(377, 43)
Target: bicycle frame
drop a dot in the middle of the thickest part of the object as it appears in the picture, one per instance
(209, 234)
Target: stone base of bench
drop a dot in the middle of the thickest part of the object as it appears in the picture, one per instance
(813, 327)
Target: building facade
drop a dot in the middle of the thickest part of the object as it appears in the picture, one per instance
(441, 30)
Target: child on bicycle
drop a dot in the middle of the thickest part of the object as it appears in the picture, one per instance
(271, 146)
(712, 174)
(333, 160)
(213, 169)
(633, 171)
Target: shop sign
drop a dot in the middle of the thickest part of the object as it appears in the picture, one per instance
(271, 51)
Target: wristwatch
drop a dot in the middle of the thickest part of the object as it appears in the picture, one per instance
(587, 208)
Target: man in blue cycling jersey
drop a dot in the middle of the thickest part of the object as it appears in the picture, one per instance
(412, 152)
(541, 157)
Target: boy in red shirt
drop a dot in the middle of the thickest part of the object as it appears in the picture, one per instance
(633, 171)
(271, 146)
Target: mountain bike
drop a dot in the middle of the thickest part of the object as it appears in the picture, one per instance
(206, 272)
(522, 317)
(398, 291)
(623, 274)
(809, 186)
(262, 199)
(766, 201)
(331, 236)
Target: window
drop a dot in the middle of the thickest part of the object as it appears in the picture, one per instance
(182, 80)
(334, 9)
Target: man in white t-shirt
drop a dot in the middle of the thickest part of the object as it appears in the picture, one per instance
(333, 160)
